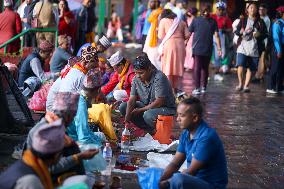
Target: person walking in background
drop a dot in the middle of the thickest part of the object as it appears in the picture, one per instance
(151, 43)
(173, 32)
(275, 83)
(147, 24)
(82, 19)
(252, 31)
(259, 76)
(67, 22)
(189, 61)
(47, 16)
(114, 28)
(225, 29)
(204, 28)
(10, 25)
(179, 10)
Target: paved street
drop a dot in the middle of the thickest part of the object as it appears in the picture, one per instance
(250, 125)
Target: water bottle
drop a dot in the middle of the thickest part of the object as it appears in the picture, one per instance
(125, 140)
(107, 154)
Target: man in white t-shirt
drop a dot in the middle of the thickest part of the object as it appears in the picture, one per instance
(259, 76)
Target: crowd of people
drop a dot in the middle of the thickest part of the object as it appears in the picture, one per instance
(175, 40)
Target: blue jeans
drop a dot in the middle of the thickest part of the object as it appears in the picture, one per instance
(147, 120)
(219, 60)
(247, 62)
(185, 181)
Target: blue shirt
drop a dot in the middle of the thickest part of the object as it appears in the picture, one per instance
(79, 129)
(59, 60)
(147, 24)
(278, 35)
(206, 146)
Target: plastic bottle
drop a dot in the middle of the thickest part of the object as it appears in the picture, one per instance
(107, 154)
(125, 140)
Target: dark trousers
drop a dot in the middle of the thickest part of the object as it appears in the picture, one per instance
(147, 120)
(201, 70)
(276, 73)
(30, 40)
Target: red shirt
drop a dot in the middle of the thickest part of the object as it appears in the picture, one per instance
(10, 25)
(223, 22)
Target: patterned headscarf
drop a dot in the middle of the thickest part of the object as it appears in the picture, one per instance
(93, 80)
(45, 46)
(142, 62)
(90, 54)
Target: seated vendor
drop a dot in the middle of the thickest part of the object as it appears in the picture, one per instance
(32, 170)
(61, 54)
(151, 95)
(202, 149)
(102, 45)
(120, 82)
(65, 108)
(32, 66)
(72, 78)
(79, 129)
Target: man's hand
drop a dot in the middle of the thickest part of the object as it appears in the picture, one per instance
(184, 171)
(279, 55)
(164, 184)
(25, 20)
(220, 52)
(88, 154)
(256, 34)
(137, 111)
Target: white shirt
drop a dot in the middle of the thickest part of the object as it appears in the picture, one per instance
(73, 81)
(248, 45)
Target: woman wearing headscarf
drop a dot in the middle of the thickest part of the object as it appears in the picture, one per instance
(67, 23)
(173, 32)
(189, 61)
(151, 43)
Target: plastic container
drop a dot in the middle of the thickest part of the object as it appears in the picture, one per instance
(125, 140)
(107, 154)
(164, 127)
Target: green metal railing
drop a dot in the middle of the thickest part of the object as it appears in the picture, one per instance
(53, 30)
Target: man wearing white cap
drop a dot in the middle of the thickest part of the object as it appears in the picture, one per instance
(102, 45)
(120, 82)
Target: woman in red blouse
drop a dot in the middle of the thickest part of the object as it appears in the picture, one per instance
(67, 23)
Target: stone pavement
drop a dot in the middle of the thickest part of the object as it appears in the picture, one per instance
(249, 125)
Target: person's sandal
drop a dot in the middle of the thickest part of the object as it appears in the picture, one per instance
(246, 90)
(238, 88)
